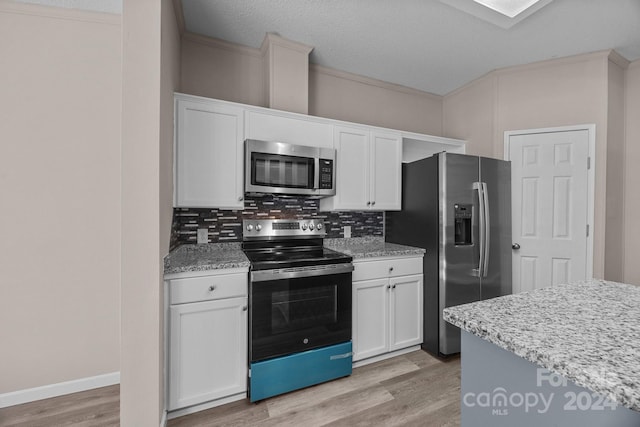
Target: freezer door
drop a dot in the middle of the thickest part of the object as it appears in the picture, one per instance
(496, 280)
(459, 253)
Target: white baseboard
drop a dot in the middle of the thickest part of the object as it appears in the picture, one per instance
(207, 405)
(385, 356)
(59, 389)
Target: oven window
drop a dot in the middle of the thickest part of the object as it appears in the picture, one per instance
(281, 171)
(291, 315)
(301, 308)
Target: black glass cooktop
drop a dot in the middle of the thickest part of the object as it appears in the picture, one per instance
(291, 254)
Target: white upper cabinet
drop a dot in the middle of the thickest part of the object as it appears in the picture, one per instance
(386, 172)
(208, 154)
(296, 129)
(368, 170)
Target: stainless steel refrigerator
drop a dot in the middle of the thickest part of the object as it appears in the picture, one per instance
(458, 208)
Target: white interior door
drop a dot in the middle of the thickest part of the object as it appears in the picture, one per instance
(550, 207)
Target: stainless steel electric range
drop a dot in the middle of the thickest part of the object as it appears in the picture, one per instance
(299, 307)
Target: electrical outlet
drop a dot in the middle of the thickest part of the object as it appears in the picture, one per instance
(203, 237)
(347, 231)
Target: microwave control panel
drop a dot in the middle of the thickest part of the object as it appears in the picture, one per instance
(326, 174)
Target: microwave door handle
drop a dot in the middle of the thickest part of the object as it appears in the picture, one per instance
(316, 173)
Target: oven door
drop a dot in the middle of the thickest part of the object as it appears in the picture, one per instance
(298, 309)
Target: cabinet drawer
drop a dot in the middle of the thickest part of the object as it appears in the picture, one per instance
(367, 270)
(207, 288)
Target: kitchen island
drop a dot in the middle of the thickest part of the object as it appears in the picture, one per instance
(564, 355)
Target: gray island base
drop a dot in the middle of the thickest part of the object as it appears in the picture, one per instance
(500, 389)
(565, 355)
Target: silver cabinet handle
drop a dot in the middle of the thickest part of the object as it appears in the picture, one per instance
(240, 198)
(393, 287)
(244, 308)
(390, 269)
(515, 246)
(212, 288)
(388, 286)
(373, 203)
(368, 203)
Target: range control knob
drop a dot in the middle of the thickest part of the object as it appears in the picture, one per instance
(304, 226)
(319, 226)
(311, 226)
(258, 227)
(249, 227)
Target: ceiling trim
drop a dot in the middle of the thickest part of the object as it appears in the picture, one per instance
(602, 54)
(320, 69)
(275, 39)
(179, 12)
(618, 59)
(60, 13)
(221, 44)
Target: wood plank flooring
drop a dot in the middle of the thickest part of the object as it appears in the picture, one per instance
(99, 407)
(415, 389)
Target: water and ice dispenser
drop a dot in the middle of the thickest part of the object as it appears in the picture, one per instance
(462, 215)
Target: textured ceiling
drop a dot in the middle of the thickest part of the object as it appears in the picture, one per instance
(423, 44)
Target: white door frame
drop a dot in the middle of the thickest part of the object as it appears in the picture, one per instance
(591, 175)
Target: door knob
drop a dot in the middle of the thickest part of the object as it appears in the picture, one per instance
(515, 246)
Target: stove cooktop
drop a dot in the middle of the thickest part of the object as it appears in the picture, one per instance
(277, 244)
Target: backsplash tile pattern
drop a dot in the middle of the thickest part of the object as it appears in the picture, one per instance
(226, 225)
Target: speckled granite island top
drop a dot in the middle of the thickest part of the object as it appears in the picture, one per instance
(370, 247)
(211, 256)
(588, 332)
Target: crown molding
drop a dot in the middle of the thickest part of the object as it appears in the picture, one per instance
(601, 54)
(320, 69)
(275, 39)
(618, 59)
(54, 12)
(179, 12)
(221, 44)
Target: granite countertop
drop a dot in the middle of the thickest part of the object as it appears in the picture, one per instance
(215, 256)
(369, 247)
(212, 256)
(588, 332)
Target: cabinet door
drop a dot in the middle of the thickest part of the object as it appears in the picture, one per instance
(301, 130)
(370, 318)
(405, 326)
(352, 169)
(208, 351)
(386, 172)
(208, 155)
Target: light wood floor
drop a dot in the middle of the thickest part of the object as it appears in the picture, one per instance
(415, 389)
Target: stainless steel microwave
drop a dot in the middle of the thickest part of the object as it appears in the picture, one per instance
(281, 168)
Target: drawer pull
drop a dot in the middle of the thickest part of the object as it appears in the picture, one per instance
(390, 269)
(393, 287)
(244, 308)
(388, 286)
(212, 288)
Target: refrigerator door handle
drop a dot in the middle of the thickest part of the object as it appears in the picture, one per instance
(478, 186)
(487, 230)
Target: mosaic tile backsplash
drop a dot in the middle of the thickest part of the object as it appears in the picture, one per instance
(226, 225)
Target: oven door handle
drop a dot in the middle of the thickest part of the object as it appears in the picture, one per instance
(300, 272)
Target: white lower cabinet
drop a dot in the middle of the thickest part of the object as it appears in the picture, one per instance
(207, 339)
(387, 306)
